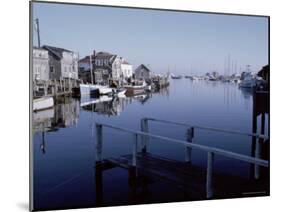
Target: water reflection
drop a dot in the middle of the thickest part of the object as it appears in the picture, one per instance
(111, 106)
(70, 152)
(65, 113)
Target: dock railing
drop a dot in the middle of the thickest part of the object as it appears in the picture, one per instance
(190, 135)
(211, 151)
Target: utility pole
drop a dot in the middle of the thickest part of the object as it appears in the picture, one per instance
(38, 32)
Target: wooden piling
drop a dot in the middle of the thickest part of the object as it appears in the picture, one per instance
(135, 150)
(209, 183)
(144, 128)
(99, 143)
(190, 135)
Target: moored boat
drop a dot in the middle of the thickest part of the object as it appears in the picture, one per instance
(43, 103)
(176, 76)
(88, 89)
(132, 90)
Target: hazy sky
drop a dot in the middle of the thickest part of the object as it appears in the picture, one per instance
(184, 42)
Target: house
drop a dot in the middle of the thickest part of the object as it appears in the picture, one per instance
(40, 64)
(107, 67)
(126, 69)
(63, 63)
(84, 64)
(142, 73)
(84, 67)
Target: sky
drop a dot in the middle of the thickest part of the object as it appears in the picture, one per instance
(181, 42)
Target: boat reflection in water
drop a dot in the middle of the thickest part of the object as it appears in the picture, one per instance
(64, 114)
(111, 105)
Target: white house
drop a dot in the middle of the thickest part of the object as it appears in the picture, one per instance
(126, 69)
(40, 64)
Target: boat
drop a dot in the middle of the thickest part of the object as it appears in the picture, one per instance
(104, 90)
(119, 92)
(195, 78)
(248, 81)
(89, 89)
(43, 103)
(176, 76)
(135, 89)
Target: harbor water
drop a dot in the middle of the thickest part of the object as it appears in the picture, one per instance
(64, 141)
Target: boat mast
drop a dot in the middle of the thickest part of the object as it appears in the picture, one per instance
(91, 69)
(38, 32)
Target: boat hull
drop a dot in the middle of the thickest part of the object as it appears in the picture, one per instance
(43, 103)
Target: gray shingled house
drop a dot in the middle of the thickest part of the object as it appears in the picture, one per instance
(142, 73)
(63, 63)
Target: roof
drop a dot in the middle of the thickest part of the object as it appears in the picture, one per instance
(142, 66)
(55, 50)
(104, 55)
(38, 48)
(125, 62)
(86, 59)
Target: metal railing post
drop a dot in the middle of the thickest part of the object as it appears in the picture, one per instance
(209, 181)
(190, 135)
(99, 143)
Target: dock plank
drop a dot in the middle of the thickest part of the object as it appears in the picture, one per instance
(189, 178)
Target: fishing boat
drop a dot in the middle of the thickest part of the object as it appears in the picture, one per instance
(248, 81)
(132, 90)
(43, 103)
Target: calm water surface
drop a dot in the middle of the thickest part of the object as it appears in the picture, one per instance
(64, 140)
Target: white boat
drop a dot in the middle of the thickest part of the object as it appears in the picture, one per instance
(104, 90)
(119, 92)
(43, 103)
(88, 89)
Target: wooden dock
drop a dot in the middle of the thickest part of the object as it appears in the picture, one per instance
(188, 178)
(195, 182)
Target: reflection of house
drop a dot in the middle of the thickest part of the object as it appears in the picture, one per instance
(142, 73)
(63, 63)
(40, 64)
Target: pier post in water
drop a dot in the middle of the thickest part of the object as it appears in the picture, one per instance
(99, 143)
(144, 128)
(209, 183)
(190, 135)
(135, 150)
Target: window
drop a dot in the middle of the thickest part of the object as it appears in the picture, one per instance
(52, 69)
